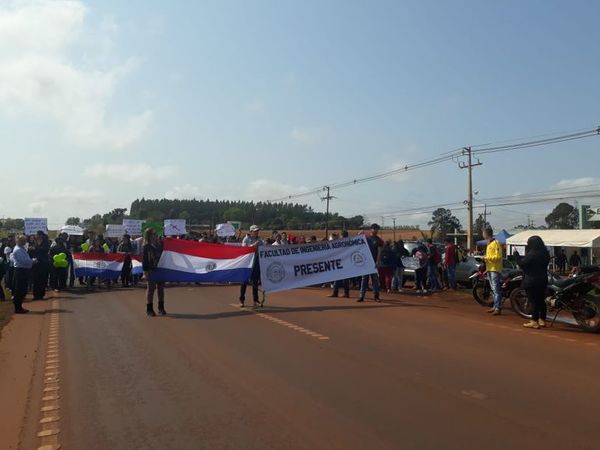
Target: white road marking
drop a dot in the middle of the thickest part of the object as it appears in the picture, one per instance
(286, 324)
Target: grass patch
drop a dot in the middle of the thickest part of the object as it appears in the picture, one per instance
(6, 309)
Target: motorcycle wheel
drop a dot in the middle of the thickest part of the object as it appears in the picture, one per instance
(520, 303)
(483, 294)
(588, 317)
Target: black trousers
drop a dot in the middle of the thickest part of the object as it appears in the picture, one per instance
(126, 271)
(20, 280)
(537, 299)
(39, 278)
(71, 271)
(345, 284)
(254, 280)
(58, 277)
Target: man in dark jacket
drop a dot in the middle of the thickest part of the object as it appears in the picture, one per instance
(41, 266)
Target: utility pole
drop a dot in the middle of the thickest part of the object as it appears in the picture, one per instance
(394, 222)
(469, 165)
(485, 214)
(327, 198)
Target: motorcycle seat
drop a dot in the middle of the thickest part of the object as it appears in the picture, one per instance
(565, 283)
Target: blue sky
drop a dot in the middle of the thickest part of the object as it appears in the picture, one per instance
(104, 102)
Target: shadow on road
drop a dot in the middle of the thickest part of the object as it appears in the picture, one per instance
(284, 309)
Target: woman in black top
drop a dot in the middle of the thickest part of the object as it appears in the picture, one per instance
(152, 251)
(535, 279)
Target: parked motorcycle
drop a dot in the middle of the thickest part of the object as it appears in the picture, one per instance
(482, 291)
(578, 295)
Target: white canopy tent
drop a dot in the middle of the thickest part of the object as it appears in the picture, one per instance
(72, 230)
(559, 238)
(569, 240)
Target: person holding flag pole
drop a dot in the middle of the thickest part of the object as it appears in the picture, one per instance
(252, 240)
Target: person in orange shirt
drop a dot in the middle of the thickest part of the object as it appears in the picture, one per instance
(493, 266)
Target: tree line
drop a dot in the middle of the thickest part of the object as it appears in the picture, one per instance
(208, 213)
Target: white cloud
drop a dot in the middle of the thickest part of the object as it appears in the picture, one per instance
(69, 197)
(255, 105)
(142, 174)
(185, 192)
(306, 135)
(40, 77)
(577, 182)
(263, 189)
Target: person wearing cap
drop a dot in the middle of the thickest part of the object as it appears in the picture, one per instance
(375, 244)
(252, 240)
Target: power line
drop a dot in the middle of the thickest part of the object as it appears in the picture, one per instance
(574, 191)
(452, 155)
(559, 194)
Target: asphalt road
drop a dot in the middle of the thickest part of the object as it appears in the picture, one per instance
(308, 372)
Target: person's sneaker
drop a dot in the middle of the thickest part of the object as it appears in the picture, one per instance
(491, 310)
(418, 291)
(150, 311)
(542, 323)
(496, 312)
(532, 324)
(425, 291)
(332, 296)
(360, 300)
(242, 300)
(21, 311)
(161, 309)
(346, 295)
(256, 304)
(376, 298)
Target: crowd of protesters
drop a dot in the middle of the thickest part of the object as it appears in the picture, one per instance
(36, 263)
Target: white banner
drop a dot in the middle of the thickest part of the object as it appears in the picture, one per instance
(292, 266)
(114, 231)
(133, 227)
(225, 230)
(174, 227)
(33, 225)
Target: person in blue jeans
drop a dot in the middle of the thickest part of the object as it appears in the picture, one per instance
(493, 264)
(450, 262)
(375, 244)
(433, 266)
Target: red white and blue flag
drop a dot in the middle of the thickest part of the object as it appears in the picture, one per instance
(136, 265)
(199, 262)
(100, 265)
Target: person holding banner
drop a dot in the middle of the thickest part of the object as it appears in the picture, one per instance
(152, 251)
(376, 246)
(252, 240)
(345, 283)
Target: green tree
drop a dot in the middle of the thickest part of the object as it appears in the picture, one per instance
(235, 213)
(73, 221)
(115, 216)
(563, 216)
(443, 222)
(478, 227)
